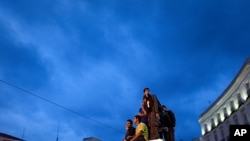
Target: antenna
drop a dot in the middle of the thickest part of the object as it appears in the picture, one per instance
(57, 131)
(23, 132)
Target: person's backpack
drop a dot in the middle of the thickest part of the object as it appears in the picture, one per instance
(172, 117)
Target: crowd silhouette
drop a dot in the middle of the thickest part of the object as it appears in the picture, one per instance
(154, 122)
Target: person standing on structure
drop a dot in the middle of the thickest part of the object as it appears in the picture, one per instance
(168, 120)
(152, 105)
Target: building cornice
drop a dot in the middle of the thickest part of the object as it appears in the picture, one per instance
(228, 92)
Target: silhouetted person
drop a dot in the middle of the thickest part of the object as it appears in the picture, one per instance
(130, 130)
(153, 114)
(167, 127)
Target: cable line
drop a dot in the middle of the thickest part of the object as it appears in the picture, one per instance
(60, 106)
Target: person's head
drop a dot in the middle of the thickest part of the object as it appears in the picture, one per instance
(146, 91)
(137, 119)
(164, 108)
(129, 123)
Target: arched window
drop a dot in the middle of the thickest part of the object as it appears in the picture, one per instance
(248, 89)
(212, 123)
(206, 128)
(240, 99)
(232, 106)
(225, 112)
(219, 118)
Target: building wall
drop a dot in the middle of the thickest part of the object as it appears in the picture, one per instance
(7, 137)
(232, 107)
(221, 131)
(91, 139)
(196, 139)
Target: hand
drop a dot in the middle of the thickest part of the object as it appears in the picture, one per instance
(157, 115)
(133, 139)
(129, 137)
(126, 127)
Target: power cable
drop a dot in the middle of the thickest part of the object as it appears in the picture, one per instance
(60, 106)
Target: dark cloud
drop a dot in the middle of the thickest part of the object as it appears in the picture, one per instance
(20, 62)
(31, 11)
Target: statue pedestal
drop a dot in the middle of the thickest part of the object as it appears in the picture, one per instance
(157, 140)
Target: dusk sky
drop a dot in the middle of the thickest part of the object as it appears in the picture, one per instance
(82, 65)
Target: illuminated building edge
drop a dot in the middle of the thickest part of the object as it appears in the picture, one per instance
(231, 107)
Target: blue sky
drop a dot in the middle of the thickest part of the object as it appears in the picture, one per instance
(95, 57)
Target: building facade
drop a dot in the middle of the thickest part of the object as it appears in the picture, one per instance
(232, 107)
(91, 139)
(6, 137)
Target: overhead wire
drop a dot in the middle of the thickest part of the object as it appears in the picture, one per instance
(58, 105)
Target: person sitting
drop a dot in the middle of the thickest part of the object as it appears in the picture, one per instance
(141, 131)
(130, 130)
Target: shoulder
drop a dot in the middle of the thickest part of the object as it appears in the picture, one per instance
(142, 124)
(132, 129)
(153, 96)
(170, 111)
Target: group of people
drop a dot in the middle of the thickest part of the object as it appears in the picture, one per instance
(153, 121)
